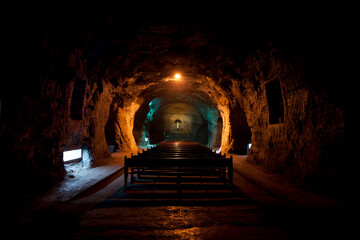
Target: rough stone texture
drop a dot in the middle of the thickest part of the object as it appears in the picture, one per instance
(313, 130)
(127, 62)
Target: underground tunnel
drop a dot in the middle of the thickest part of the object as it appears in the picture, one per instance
(236, 88)
(172, 109)
(127, 85)
(175, 110)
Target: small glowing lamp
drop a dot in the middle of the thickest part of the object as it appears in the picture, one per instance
(177, 76)
(218, 151)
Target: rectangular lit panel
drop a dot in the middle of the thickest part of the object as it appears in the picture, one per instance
(71, 155)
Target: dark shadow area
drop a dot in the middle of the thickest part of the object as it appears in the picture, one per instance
(275, 102)
(77, 99)
(110, 133)
(239, 130)
(314, 223)
(145, 197)
(122, 199)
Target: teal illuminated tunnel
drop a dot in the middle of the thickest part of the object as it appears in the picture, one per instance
(194, 109)
(189, 115)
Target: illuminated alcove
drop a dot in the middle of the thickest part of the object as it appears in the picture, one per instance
(180, 117)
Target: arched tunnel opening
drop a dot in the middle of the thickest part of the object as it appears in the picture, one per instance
(173, 121)
(171, 110)
(176, 121)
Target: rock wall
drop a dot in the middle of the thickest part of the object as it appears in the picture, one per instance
(308, 146)
(130, 62)
(39, 125)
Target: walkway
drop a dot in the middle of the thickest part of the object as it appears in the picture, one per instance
(268, 208)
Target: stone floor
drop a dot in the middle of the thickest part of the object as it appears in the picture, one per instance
(265, 207)
(104, 215)
(247, 221)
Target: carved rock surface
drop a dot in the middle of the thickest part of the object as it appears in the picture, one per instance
(124, 63)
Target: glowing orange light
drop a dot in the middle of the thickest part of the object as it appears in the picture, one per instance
(177, 76)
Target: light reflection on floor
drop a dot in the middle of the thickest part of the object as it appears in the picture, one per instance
(179, 222)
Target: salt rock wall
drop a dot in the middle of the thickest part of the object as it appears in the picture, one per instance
(39, 125)
(231, 67)
(307, 146)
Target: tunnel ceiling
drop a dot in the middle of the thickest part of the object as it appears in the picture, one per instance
(134, 53)
(178, 91)
(141, 48)
(142, 69)
(140, 64)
